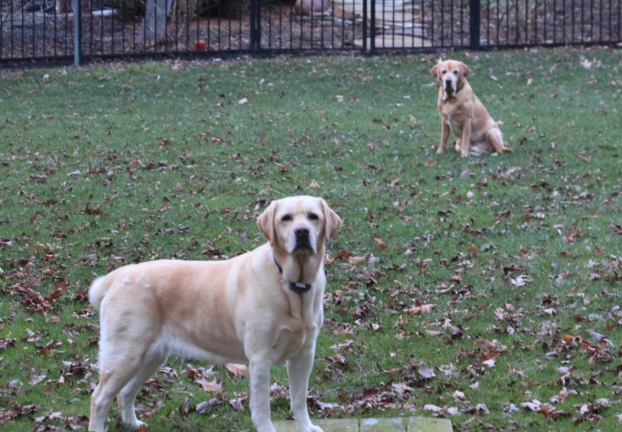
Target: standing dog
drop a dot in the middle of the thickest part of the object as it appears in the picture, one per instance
(463, 114)
(261, 308)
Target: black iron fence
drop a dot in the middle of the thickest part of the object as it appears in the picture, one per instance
(88, 29)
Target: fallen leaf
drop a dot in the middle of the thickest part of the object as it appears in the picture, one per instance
(313, 185)
(238, 370)
(432, 408)
(356, 260)
(211, 386)
(426, 308)
(380, 243)
(425, 371)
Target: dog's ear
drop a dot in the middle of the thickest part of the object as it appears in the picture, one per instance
(265, 223)
(464, 69)
(434, 70)
(332, 221)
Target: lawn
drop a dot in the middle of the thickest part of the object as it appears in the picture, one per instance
(485, 290)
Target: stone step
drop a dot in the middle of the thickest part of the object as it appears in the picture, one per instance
(396, 424)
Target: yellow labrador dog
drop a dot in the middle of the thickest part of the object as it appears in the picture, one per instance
(261, 308)
(463, 114)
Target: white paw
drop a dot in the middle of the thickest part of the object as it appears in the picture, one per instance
(439, 151)
(315, 429)
(136, 424)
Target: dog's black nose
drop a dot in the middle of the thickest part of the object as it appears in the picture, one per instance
(447, 83)
(301, 232)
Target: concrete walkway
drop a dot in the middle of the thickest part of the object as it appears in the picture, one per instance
(398, 424)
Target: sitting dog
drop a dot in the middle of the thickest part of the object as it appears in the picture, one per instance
(463, 114)
(261, 308)
(313, 8)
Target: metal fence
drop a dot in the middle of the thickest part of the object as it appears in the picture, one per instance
(89, 29)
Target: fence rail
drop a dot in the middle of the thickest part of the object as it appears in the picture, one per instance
(89, 29)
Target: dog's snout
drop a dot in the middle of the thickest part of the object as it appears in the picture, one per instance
(447, 83)
(302, 232)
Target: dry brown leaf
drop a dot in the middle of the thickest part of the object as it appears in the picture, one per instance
(238, 370)
(426, 308)
(313, 185)
(380, 243)
(356, 260)
(211, 386)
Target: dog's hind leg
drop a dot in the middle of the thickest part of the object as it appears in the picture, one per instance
(125, 355)
(126, 396)
(495, 139)
(111, 381)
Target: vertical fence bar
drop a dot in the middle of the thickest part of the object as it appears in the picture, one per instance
(254, 17)
(365, 26)
(77, 33)
(1, 32)
(564, 26)
(432, 23)
(253, 6)
(372, 27)
(443, 23)
(610, 33)
(600, 24)
(474, 25)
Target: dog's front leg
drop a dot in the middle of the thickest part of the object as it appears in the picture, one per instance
(466, 137)
(259, 373)
(444, 136)
(298, 371)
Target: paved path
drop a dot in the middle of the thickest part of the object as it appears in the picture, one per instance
(398, 424)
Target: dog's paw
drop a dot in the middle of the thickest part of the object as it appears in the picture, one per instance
(507, 150)
(439, 151)
(136, 425)
(315, 429)
(465, 154)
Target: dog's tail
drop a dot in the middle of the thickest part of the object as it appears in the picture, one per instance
(98, 290)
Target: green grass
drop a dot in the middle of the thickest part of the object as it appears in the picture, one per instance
(102, 166)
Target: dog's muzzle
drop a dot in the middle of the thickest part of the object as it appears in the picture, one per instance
(448, 86)
(303, 242)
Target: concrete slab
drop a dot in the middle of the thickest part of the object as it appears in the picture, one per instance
(428, 424)
(412, 424)
(382, 425)
(327, 425)
(395, 41)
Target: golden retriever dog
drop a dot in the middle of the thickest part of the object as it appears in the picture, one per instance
(313, 8)
(261, 308)
(463, 114)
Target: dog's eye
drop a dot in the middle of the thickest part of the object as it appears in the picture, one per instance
(313, 216)
(444, 72)
(286, 218)
(456, 72)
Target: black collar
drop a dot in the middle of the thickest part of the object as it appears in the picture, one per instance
(297, 287)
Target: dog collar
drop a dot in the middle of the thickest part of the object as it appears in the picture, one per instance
(297, 287)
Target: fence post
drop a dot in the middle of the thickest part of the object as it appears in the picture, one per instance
(255, 14)
(77, 33)
(372, 27)
(364, 27)
(475, 23)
